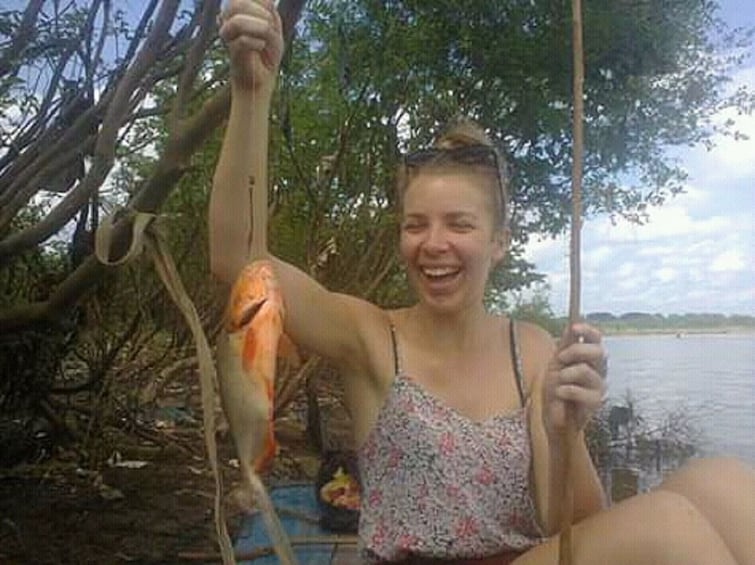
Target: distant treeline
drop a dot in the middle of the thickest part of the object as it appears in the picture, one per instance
(643, 321)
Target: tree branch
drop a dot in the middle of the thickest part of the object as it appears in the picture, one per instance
(104, 150)
(182, 143)
(193, 60)
(290, 12)
(23, 172)
(14, 155)
(140, 31)
(11, 158)
(178, 150)
(8, 63)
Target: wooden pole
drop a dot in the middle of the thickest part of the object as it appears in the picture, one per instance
(569, 438)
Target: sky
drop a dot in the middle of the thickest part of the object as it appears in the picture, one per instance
(697, 251)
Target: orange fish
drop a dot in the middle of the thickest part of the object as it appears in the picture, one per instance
(246, 353)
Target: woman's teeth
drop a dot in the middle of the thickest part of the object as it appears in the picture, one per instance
(439, 272)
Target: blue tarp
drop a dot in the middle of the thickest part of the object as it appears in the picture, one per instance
(298, 497)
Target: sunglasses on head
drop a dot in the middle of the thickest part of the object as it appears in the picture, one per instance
(472, 155)
(466, 155)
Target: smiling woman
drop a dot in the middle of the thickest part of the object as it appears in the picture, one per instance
(450, 246)
(458, 413)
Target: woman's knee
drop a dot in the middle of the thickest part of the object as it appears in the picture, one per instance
(675, 531)
(704, 472)
(723, 490)
(661, 527)
(667, 508)
(718, 466)
(657, 520)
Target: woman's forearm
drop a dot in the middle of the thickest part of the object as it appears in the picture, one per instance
(588, 491)
(555, 480)
(242, 166)
(589, 496)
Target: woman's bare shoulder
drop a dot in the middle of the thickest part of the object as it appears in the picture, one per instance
(371, 324)
(536, 346)
(532, 335)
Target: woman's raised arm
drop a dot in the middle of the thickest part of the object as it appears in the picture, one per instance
(252, 32)
(324, 322)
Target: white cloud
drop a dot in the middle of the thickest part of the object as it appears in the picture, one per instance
(728, 261)
(626, 270)
(597, 256)
(670, 220)
(659, 251)
(696, 253)
(544, 246)
(732, 158)
(677, 263)
(695, 195)
(665, 274)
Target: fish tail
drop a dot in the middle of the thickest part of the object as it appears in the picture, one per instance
(278, 536)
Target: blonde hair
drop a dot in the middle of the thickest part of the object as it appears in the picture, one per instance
(463, 133)
(460, 133)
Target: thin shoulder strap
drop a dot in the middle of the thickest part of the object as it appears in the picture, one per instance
(396, 360)
(516, 361)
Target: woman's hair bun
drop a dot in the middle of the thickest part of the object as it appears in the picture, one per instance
(462, 132)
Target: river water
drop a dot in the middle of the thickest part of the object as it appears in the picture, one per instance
(711, 377)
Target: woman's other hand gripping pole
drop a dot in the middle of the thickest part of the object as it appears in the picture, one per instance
(569, 438)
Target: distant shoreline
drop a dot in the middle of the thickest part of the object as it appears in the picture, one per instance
(679, 332)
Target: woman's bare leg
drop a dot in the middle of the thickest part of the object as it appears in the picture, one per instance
(723, 490)
(659, 528)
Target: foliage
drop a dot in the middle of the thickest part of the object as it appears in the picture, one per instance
(346, 110)
(100, 109)
(622, 436)
(78, 140)
(646, 322)
(535, 307)
(655, 77)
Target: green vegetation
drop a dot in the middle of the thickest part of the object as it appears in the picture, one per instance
(535, 307)
(641, 322)
(99, 111)
(632, 453)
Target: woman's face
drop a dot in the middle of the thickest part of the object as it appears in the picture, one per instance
(448, 242)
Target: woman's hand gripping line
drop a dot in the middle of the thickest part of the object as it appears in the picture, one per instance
(246, 351)
(252, 30)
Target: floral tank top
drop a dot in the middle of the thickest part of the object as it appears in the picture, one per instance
(436, 484)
